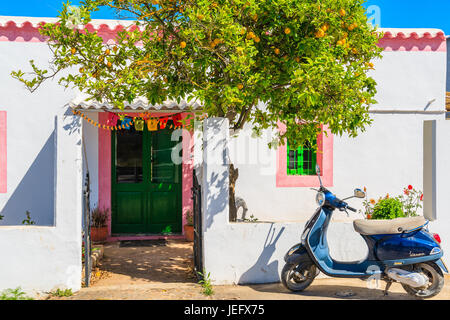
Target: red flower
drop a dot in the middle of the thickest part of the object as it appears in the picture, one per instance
(410, 187)
(406, 191)
(421, 197)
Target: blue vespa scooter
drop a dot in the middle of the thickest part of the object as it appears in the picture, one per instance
(400, 250)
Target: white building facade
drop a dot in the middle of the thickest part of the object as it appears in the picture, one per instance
(45, 151)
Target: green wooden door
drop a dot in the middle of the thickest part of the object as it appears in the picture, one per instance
(146, 183)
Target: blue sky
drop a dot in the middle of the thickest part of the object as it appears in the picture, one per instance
(393, 13)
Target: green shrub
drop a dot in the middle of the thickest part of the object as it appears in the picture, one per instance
(388, 208)
(14, 294)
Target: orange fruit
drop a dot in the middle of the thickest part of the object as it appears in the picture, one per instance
(325, 27)
(200, 17)
(109, 64)
(183, 44)
(240, 86)
(277, 51)
(250, 35)
(115, 49)
(257, 39)
(73, 50)
(320, 33)
(287, 30)
(107, 52)
(342, 12)
(354, 51)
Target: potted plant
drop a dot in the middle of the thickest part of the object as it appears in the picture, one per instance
(405, 205)
(99, 227)
(189, 226)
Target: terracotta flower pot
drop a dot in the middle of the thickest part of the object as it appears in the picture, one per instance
(99, 234)
(189, 232)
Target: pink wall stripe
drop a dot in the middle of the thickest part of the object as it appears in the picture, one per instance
(3, 153)
(104, 166)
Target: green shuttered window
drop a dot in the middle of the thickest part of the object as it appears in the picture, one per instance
(301, 161)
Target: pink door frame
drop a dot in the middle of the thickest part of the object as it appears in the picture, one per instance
(104, 176)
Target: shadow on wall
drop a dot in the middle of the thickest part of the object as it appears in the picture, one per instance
(35, 193)
(262, 265)
(217, 201)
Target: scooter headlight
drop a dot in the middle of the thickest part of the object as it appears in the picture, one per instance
(320, 198)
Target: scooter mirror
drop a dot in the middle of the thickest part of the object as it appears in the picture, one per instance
(359, 193)
(317, 169)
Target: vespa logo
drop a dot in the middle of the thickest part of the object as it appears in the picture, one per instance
(412, 254)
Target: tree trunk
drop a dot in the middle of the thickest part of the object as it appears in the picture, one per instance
(234, 174)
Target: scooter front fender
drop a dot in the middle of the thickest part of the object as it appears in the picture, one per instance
(296, 254)
(442, 265)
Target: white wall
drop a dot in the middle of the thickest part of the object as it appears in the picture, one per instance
(385, 158)
(30, 136)
(44, 171)
(250, 252)
(90, 134)
(41, 259)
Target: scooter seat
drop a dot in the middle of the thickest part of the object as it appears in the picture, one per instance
(397, 225)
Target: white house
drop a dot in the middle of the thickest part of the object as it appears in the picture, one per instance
(51, 138)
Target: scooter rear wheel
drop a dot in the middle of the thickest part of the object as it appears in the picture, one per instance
(298, 276)
(435, 280)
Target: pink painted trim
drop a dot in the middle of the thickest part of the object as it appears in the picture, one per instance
(324, 160)
(3, 152)
(411, 41)
(187, 171)
(104, 167)
(422, 44)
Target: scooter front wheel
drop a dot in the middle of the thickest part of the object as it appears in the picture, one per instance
(298, 276)
(435, 280)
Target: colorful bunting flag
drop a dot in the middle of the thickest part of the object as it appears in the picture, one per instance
(112, 119)
(139, 124)
(139, 121)
(177, 120)
(152, 124)
(126, 123)
(163, 122)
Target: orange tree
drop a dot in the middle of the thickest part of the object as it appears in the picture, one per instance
(299, 62)
(251, 61)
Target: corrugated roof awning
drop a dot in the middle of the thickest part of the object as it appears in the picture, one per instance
(82, 102)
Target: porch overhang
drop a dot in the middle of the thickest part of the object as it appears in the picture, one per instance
(84, 102)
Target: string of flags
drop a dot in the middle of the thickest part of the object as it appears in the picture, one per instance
(138, 120)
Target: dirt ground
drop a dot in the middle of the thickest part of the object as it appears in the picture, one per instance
(163, 271)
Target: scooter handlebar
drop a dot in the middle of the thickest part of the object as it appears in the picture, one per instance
(351, 209)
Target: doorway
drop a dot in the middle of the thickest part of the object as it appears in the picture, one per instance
(146, 183)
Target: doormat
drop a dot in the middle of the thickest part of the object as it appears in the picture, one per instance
(143, 243)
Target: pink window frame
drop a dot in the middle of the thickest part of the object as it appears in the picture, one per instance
(324, 160)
